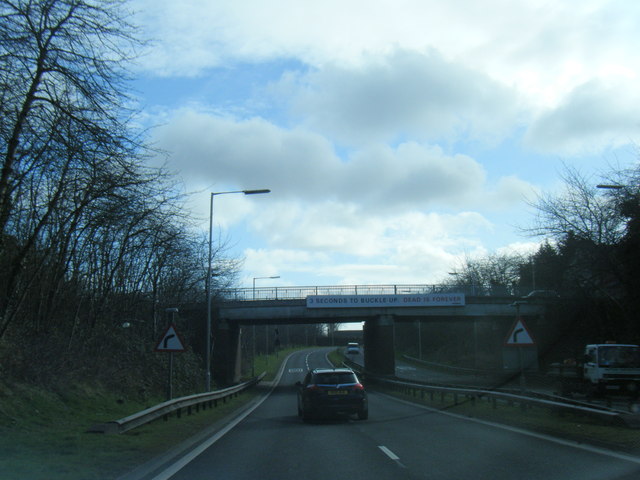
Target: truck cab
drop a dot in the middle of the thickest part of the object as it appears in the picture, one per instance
(612, 366)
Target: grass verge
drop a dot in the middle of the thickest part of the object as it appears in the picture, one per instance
(336, 357)
(43, 433)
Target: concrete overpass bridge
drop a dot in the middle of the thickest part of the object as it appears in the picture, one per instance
(379, 307)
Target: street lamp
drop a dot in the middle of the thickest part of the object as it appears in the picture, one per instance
(173, 312)
(208, 280)
(254, 284)
(253, 330)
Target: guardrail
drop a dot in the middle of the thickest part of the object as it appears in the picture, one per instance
(493, 397)
(191, 402)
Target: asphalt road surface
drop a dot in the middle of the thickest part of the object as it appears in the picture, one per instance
(399, 441)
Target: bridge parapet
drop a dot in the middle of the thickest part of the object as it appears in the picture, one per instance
(295, 293)
(296, 311)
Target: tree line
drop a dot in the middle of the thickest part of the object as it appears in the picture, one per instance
(91, 237)
(588, 256)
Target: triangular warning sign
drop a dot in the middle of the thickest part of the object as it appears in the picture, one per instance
(170, 341)
(519, 335)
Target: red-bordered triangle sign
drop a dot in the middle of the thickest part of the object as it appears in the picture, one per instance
(170, 341)
(519, 335)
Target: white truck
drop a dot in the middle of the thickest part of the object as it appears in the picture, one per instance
(606, 367)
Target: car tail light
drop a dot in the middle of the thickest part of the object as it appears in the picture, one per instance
(313, 386)
(358, 386)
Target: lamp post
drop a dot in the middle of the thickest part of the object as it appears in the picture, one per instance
(208, 279)
(253, 332)
(254, 284)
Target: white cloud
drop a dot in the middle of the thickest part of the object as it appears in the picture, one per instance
(509, 192)
(402, 94)
(526, 43)
(411, 175)
(596, 115)
(346, 242)
(428, 71)
(371, 274)
(270, 262)
(325, 227)
(302, 165)
(248, 152)
(519, 248)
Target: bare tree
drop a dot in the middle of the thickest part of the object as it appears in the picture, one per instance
(89, 236)
(580, 210)
(491, 275)
(62, 125)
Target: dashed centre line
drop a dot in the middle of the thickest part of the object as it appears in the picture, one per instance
(389, 453)
(306, 360)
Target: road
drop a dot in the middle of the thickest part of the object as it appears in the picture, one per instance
(399, 441)
(534, 383)
(424, 374)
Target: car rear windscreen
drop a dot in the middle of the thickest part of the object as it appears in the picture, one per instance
(335, 378)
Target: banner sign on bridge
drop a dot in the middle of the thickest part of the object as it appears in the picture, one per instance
(403, 300)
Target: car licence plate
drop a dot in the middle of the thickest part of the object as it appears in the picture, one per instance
(337, 392)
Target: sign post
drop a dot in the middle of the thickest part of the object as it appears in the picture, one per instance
(519, 336)
(170, 342)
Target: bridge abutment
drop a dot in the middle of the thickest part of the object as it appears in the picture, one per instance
(379, 354)
(226, 353)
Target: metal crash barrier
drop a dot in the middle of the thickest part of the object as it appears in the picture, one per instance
(178, 405)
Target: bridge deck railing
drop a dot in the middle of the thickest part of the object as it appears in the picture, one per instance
(295, 293)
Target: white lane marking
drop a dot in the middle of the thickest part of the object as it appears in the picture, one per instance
(389, 453)
(306, 360)
(296, 370)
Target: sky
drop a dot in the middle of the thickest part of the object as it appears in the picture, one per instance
(398, 138)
